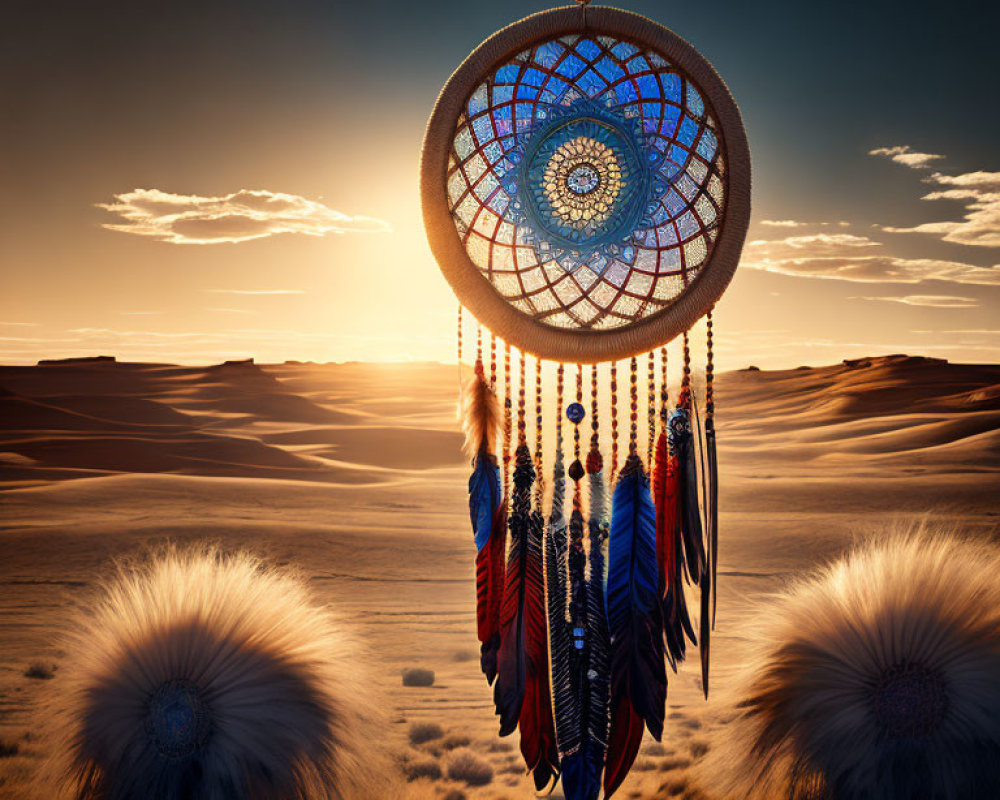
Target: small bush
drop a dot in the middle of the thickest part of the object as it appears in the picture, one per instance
(8, 749)
(500, 747)
(454, 794)
(418, 677)
(654, 749)
(421, 732)
(424, 768)
(466, 766)
(40, 671)
(455, 740)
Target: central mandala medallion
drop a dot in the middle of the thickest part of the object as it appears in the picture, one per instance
(582, 181)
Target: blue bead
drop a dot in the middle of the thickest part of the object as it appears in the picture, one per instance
(575, 413)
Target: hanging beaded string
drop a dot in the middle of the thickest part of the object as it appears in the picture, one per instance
(559, 405)
(614, 421)
(664, 390)
(579, 400)
(576, 413)
(493, 361)
(594, 461)
(633, 391)
(460, 335)
(651, 407)
(709, 375)
(539, 484)
(507, 402)
(685, 398)
(479, 344)
(522, 434)
(594, 416)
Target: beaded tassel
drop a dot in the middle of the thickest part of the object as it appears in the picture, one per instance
(507, 422)
(651, 408)
(539, 483)
(614, 422)
(712, 465)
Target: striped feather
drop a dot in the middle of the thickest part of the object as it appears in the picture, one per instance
(566, 710)
(508, 691)
(538, 737)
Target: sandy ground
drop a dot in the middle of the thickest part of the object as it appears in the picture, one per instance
(353, 473)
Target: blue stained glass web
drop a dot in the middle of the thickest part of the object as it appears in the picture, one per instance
(587, 181)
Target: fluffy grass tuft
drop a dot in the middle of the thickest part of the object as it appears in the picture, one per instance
(205, 676)
(464, 765)
(878, 679)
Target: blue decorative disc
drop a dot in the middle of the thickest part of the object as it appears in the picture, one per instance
(575, 413)
(177, 719)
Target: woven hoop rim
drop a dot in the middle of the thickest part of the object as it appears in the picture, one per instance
(475, 291)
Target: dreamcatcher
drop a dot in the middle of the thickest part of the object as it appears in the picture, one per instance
(586, 192)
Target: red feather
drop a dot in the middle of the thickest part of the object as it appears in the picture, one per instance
(665, 497)
(624, 739)
(536, 725)
(490, 574)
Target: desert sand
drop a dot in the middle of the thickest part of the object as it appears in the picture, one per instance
(353, 473)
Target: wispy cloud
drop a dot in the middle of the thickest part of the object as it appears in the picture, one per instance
(256, 291)
(20, 324)
(979, 193)
(794, 223)
(929, 300)
(904, 154)
(843, 256)
(237, 217)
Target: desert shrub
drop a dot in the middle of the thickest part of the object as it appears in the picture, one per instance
(414, 676)
(421, 732)
(455, 740)
(422, 768)
(466, 766)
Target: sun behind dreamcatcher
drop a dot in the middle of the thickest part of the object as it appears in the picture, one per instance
(586, 191)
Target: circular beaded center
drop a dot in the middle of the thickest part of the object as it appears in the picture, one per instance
(910, 701)
(177, 719)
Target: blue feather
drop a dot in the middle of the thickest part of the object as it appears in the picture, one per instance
(484, 497)
(632, 600)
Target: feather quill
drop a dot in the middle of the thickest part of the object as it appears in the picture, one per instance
(508, 691)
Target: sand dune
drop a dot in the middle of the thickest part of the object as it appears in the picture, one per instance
(353, 472)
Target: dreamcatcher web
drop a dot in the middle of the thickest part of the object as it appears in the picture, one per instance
(586, 180)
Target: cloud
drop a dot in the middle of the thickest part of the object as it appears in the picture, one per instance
(847, 257)
(256, 291)
(929, 300)
(793, 223)
(904, 154)
(237, 217)
(783, 223)
(979, 192)
(20, 324)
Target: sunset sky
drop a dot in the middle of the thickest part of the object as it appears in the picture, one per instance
(195, 181)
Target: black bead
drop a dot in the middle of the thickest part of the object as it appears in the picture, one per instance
(576, 470)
